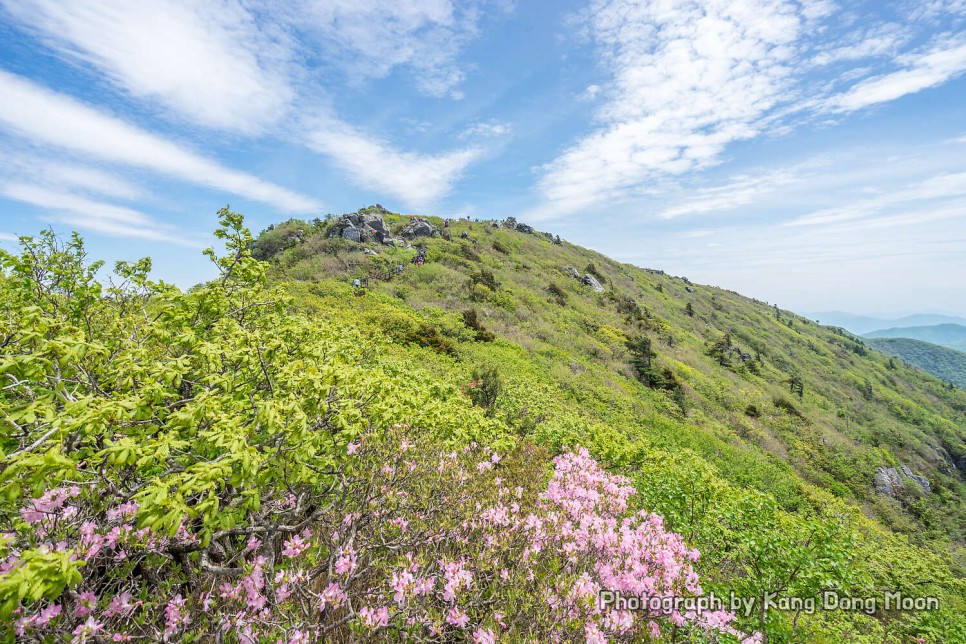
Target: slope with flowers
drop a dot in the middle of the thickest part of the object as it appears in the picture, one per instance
(277, 456)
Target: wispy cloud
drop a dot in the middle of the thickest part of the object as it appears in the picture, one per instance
(689, 78)
(692, 78)
(737, 192)
(921, 193)
(370, 38)
(258, 67)
(208, 61)
(34, 167)
(42, 115)
(919, 71)
(486, 129)
(418, 180)
(89, 214)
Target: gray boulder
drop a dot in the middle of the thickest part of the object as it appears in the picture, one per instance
(941, 458)
(571, 271)
(888, 482)
(592, 282)
(361, 228)
(892, 482)
(416, 229)
(920, 480)
(351, 233)
(376, 223)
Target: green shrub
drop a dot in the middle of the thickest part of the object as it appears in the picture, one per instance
(472, 321)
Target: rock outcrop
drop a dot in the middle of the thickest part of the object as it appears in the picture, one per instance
(362, 227)
(941, 458)
(888, 482)
(920, 480)
(416, 229)
(592, 282)
(891, 482)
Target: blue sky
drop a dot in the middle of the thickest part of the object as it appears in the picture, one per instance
(810, 153)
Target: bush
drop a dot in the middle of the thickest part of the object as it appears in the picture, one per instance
(472, 321)
(590, 268)
(557, 295)
(485, 278)
(500, 248)
(787, 407)
(484, 388)
(427, 335)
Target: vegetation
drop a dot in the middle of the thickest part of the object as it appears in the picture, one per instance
(944, 363)
(271, 457)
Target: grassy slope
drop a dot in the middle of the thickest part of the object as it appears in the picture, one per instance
(942, 362)
(564, 363)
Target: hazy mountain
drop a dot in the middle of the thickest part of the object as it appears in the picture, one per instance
(863, 324)
(952, 336)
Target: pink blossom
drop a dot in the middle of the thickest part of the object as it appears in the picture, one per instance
(457, 617)
(84, 631)
(332, 596)
(374, 618)
(174, 615)
(86, 601)
(121, 605)
(346, 562)
(294, 546)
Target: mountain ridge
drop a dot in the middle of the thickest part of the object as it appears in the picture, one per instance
(862, 324)
(940, 361)
(378, 378)
(952, 336)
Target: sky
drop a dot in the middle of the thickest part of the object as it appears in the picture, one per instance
(809, 153)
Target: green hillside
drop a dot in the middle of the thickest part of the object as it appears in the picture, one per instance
(230, 416)
(952, 336)
(770, 400)
(942, 362)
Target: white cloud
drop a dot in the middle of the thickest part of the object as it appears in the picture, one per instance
(45, 116)
(739, 191)
(692, 78)
(82, 212)
(206, 60)
(877, 41)
(251, 65)
(52, 172)
(7, 237)
(689, 78)
(590, 93)
(486, 129)
(419, 180)
(371, 38)
(697, 234)
(921, 71)
(943, 186)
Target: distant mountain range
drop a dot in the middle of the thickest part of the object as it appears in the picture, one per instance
(952, 336)
(948, 364)
(862, 324)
